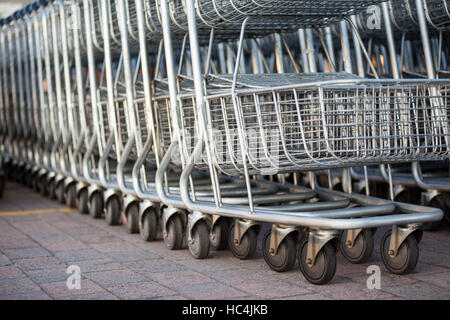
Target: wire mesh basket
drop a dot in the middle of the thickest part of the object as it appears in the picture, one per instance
(438, 13)
(294, 122)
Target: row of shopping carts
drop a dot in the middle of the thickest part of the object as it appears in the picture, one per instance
(204, 119)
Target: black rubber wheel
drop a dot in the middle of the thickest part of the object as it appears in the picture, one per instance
(324, 267)
(96, 205)
(51, 190)
(112, 212)
(284, 260)
(71, 195)
(436, 202)
(246, 249)
(149, 226)
(60, 192)
(42, 182)
(407, 255)
(82, 201)
(219, 235)
(174, 233)
(35, 183)
(29, 180)
(199, 244)
(361, 250)
(133, 218)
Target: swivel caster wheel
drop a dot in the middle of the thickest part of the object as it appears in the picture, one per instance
(149, 226)
(362, 247)
(60, 192)
(96, 206)
(436, 202)
(42, 182)
(323, 269)
(173, 237)
(133, 218)
(29, 180)
(71, 195)
(51, 190)
(407, 254)
(199, 243)
(82, 202)
(284, 259)
(35, 183)
(247, 247)
(219, 235)
(112, 212)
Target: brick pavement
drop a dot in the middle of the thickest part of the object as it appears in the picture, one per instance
(39, 239)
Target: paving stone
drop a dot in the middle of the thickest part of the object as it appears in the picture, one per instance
(439, 279)
(10, 287)
(39, 263)
(153, 266)
(179, 278)
(117, 246)
(21, 253)
(210, 291)
(4, 260)
(59, 290)
(9, 272)
(420, 291)
(93, 296)
(97, 265)
(34, 295)
(78, 255)
(49, 275)
(115, 277)
(351, 290)
(125, 256)
(17, 242)
(140, 290)
(270, 289)
(175, 297)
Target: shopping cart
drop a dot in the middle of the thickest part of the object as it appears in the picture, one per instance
(235, 96)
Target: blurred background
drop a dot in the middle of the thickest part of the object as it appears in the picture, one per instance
(7, 7)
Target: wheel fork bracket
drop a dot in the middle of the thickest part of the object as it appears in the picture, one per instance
(352, 234)
(398, 236)
(240, 228)
(277, 235)
(192, 219)
(316, 240)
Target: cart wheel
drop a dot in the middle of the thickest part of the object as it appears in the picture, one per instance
(219, 238)
(199, 244)
(133, 219)
(112, 213)
(284, 260)
(51, 190)
(71, 195)
(149, 228)
(43, 186)
(324, 267)
(362, 248)
(436, 202)
(82, 202)
(247, 247)
(174, 233)
(35, 182)
(407, 255)
(96, 205)
(60, 192)
(29, 180)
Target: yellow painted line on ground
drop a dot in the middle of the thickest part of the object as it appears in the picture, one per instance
(26, 212)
